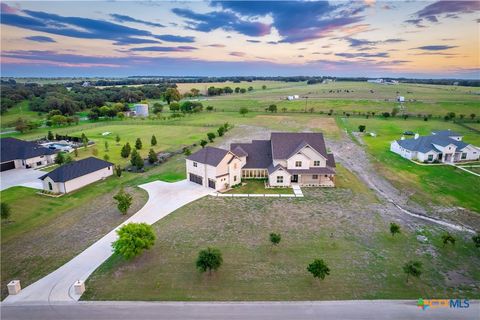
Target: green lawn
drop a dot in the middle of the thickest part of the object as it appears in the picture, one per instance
(21, 110)
(431, 185)
(258, 187)
(340, 225)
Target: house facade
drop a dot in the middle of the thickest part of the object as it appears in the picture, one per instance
(75, 175)
(214, 168)
(20, 154)
(285, 159)
(441, 146)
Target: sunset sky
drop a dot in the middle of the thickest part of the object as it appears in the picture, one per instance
(274, 38)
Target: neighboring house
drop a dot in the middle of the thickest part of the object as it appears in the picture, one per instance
(285, 159)
(76, 174)
(20, 154)
(441, 146)
(214, 168)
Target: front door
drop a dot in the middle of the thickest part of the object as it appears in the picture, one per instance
(294, 178)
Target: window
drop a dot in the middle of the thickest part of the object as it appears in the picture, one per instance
(195, 164)
(50, 187)
(464, 156)
(109, 168)
(39, 163)
(315, 176)
(316, 163)
(298, 164)
(234, 178)
(279, 179)
(430, 157)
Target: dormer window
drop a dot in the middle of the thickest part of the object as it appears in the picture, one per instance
(316, 163)
(298, 164)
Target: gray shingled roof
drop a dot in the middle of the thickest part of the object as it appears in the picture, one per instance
(313, 170)
(259, 153)
(208, 155)
(239, 152)
(331, 160)
(12, 149)
(447, 133)
(76, 169)
(425, 144)
(284, 144)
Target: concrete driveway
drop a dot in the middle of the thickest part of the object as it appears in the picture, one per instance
(21, 177)
(163, 198)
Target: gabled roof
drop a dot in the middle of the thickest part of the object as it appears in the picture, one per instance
(447, 133)
(259, 153)
(239, 152)
(427, 143)
(271, 168)
(284, 144)
(76, 169)
(209, 155)
(12, 149)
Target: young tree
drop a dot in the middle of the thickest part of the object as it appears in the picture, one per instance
(319, 269)
(106, 157)
(152, 156)
(446, 238)
(174, 107)
(50, 136)
(133, 239)
(95, 152)
(203, 143)
(221, 131)
(125, 153)
(138, 144)
(153, 141)
(124, 201)
(187, 152)
(67, 158)
(211, 136)
(106, 146)
(394, 228)
(361, 128)
(413, 268)
(157, 108)
(264, 87)
(275, 238)
(84, 140)
(472, 116)
(5, 211)
(117, 139)
(118, 171)
(75, 152)
(136, 160)
(243, 111)
(60, 158)
(209, 259)
(476, 240)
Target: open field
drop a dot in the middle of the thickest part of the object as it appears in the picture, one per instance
(21, 110)
(342, 226)
(430, 185)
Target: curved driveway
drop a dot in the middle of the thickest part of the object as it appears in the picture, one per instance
(163, 198)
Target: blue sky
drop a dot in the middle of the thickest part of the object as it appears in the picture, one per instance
(223, 38)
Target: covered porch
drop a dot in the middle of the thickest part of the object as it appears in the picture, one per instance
(314, 180)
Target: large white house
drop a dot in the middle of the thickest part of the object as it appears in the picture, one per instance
(20, 154)
(441, 146)
(285, 159)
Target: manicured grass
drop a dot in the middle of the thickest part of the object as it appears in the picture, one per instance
(258, 187)
(431, 185)
(338, 225)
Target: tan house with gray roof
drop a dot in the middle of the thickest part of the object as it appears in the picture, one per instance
(285, 159)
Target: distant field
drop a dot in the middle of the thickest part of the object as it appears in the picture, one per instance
(257, 85)
(21, 110)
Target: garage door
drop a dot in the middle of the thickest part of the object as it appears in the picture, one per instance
(8, 166)
(196, 179)
(211, 183)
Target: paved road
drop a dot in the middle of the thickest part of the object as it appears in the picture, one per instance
(325, 310)
(163, 198)
(21, 177)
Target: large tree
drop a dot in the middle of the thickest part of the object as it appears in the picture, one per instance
(209, 259)
(133, 239)
(172, 94)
